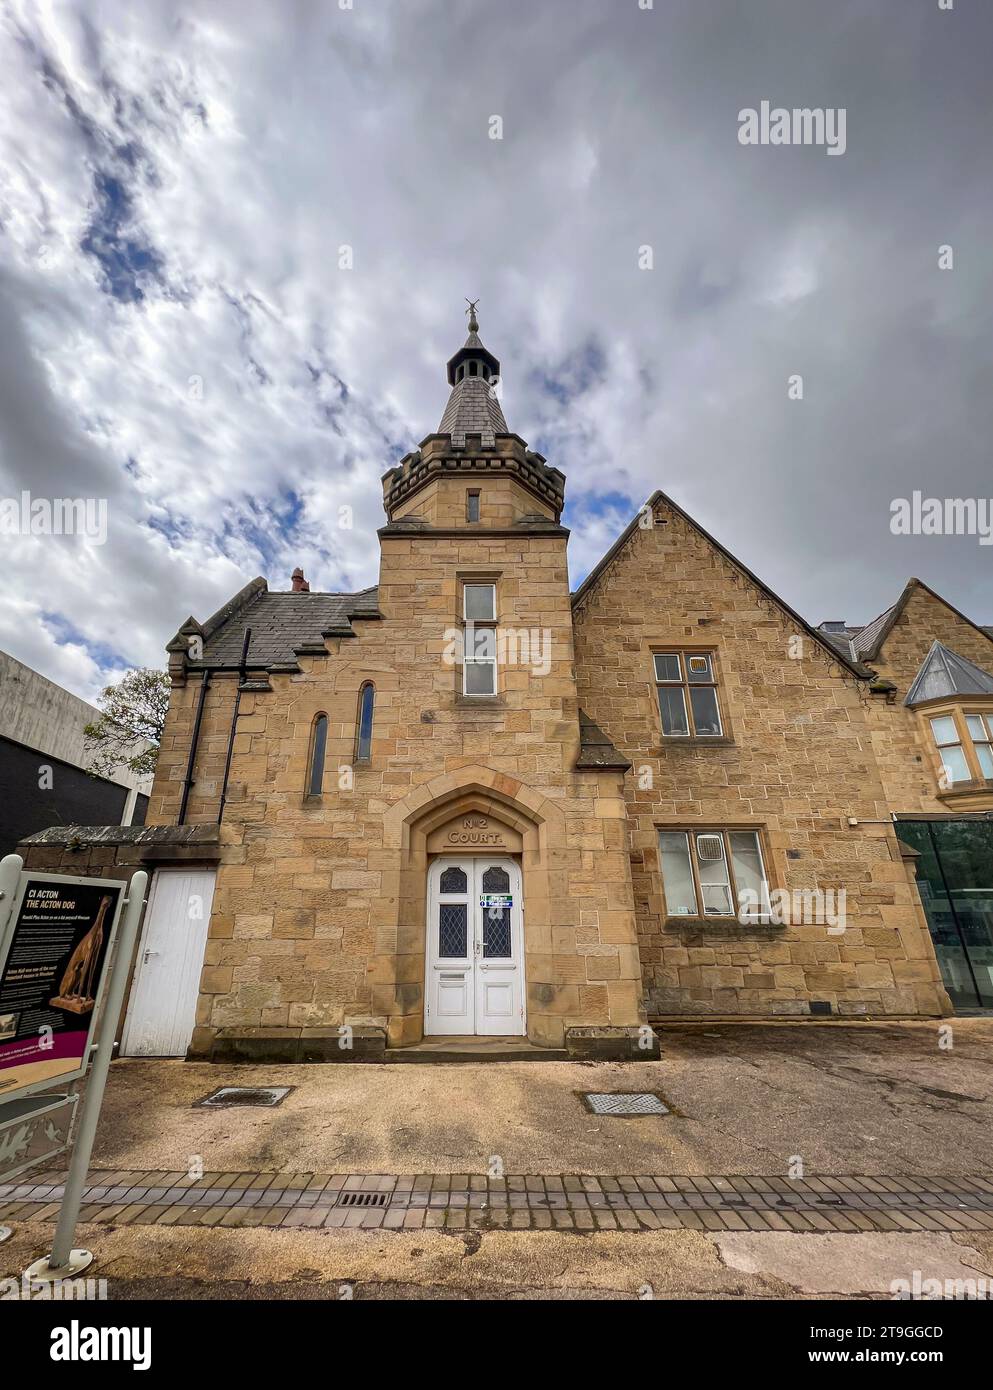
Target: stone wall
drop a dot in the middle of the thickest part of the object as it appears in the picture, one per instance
(215, 728)
(321, 922)
(796, 766)
(502, 501)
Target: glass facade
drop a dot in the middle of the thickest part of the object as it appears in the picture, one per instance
(955, 878)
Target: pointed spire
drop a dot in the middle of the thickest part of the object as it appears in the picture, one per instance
(474, 405)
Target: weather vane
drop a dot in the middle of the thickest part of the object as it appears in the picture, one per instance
(471, 311)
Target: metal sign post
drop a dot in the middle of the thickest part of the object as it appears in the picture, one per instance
(10, 877)
(64, 1261)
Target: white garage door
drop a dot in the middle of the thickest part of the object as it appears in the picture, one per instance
(163, 1004)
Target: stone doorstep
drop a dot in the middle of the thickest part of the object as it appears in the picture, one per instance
(613, 1044)
(368, 1044)
(466, 1052)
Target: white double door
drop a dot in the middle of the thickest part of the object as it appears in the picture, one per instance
(474, 961)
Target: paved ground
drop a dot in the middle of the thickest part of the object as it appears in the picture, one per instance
(886, 1102)
(460, 1202)
(859, 1099)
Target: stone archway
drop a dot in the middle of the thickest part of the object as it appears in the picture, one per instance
(527, 824)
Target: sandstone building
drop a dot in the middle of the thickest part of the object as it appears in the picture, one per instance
(470, 802)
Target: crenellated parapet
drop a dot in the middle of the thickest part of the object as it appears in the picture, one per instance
(438, 458)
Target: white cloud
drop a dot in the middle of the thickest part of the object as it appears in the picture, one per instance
(221, 156)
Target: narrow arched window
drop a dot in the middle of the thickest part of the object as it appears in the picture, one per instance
(363, 738)
(318, 748)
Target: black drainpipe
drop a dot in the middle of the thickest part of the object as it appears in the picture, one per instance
(242, 675)
(188, 780)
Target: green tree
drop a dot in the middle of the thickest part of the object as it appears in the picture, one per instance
(129, 730)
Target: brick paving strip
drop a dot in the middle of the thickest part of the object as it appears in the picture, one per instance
(472, 1202)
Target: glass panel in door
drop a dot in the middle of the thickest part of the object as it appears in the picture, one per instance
(496, 933)
(453, 931)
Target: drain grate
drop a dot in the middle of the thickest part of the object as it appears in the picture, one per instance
(362, 1199)
(244, 1095)
(624, 1103)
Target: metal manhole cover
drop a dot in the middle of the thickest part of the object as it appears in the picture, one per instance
(624, 1103)
(244, 1095)
(362, 1199)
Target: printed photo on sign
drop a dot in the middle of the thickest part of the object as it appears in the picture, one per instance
(51, 979)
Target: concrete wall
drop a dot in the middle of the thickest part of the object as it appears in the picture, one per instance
(39, 714)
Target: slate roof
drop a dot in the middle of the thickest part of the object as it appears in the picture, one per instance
(473, 409)
(869, 639)
(943, 674)
(284, 625)
(840, 640)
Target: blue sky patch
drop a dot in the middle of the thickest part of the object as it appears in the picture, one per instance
(114, 243)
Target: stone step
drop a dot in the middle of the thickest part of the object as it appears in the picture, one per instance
(475, 1050)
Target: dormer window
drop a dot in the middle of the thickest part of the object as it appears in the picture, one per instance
(954, 698)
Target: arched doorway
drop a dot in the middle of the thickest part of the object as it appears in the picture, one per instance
(474, 812)
(474, 947)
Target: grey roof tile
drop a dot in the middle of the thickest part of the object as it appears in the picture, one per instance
(944, 674)
(865, 639)
(840, 641)
(473, 409)
(283, 624)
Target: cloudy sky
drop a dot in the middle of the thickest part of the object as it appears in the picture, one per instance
(179, 334)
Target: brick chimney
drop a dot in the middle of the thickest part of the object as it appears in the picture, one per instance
(300, 585)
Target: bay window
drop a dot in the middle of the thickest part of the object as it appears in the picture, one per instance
(980, 728)
(963, 740)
